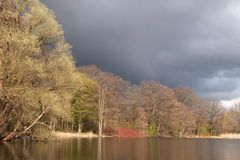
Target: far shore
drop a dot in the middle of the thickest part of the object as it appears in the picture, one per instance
(222, 136)
(92, 135)
(75, 135)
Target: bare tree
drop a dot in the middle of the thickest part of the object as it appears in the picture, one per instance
(214, 115)
(232, 119)
(236, 114)
(112, 95)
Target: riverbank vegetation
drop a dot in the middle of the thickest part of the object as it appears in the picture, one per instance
(41, 90)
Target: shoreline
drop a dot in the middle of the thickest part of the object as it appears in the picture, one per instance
(222, 136)
(75, 135)
(92, 135)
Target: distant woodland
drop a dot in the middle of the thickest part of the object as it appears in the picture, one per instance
(41, 89)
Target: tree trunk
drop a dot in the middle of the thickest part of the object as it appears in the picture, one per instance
(100, 128)
(14, 135)
(211, 130)
(1, 71)
(71, 126)
(62, 124)
(79, 128)
(29, 127)
(158, 128)
(101, 111)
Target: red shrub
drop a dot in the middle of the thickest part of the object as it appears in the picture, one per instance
(128, 133)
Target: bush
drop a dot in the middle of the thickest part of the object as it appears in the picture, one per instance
(203, 131)
(41, 133)
(152, 129)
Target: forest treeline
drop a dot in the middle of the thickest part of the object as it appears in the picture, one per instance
(41, 90)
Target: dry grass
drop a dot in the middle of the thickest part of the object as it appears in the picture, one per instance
(73, 135)
(229, 136)
(92, 135)
(222, 136)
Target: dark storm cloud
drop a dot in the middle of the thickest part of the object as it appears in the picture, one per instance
(195, 43)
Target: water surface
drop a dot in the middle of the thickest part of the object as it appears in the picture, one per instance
(122, 149)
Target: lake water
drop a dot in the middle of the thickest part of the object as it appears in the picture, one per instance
(122, 149)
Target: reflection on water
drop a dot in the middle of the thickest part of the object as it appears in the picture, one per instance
(99, 149)
(122, 149)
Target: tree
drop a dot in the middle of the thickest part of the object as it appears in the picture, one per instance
(36, 68)
(163, 110)
(186, 96)
(229, 123)
(232, 119)
(84, 105)
(112, 95)
(236, 116)
(194, 104)
(214, 116)
(135, 115)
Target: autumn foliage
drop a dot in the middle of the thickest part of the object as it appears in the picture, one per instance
(128, 133)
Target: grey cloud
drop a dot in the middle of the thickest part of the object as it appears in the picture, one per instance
(195, 43)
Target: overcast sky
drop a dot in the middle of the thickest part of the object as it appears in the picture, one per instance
(195, 43)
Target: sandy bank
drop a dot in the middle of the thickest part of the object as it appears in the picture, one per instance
(222, 136)
(72, 135)
(228, 136)
(92, 135)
